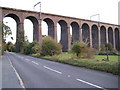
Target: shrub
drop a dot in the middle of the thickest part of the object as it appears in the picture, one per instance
(103, 48)
(110, 46)
(10, 47)
(50, 47)
(31, 48)
(81, 50)
(27, 48)
(107, 49)
(77, 48)
(36, 49)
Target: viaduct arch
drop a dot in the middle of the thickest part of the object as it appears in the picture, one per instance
(95, 33)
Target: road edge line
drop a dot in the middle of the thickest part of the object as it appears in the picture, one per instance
(18, 76)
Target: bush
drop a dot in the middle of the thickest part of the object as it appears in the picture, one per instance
(50, 47)
(10, 47)
(107, 49)
(81, 50)
(36, 49)
(77, 48)
(31, 48)
(110, 46)
(103, 48)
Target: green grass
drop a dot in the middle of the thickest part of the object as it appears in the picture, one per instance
(95, 63)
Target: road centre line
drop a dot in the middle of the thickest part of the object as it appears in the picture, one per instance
(18, 76)
(91, 84)
(35, 63)
(27, 59)
(52, 70)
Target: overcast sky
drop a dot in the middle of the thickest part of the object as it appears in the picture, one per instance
(108, 9)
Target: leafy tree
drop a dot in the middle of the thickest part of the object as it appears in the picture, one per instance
(103, 48)
(10, 47)
(78, 47)
(36, 49)
(5, 31)
(110, 46)
(50, 47)
(31, 48)
(81, 50)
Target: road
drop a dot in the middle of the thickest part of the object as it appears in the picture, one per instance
(39, 73)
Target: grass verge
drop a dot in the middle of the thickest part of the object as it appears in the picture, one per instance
(96, 63)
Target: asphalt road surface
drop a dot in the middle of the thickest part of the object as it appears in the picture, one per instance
(39, 73)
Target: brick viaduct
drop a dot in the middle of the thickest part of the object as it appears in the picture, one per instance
(96, 33)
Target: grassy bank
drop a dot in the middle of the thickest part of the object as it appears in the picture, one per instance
(95, 63)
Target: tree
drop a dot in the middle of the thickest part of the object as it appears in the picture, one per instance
(50, 47)
(5, 31)
(10, 47)
(110, 46)
(78, 48)
(31, 48)
(36, 49)
(81, 50)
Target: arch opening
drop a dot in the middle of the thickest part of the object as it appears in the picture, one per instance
(35, 27)
(49, 28)
(86, 33)
(18, 28)
(58, 33)
(117, 39)
(103, 35)
(10, 22)
(75, 34)
(16, 18)
(28, 30)
(95, 37)
(110, 35)
(64, 35)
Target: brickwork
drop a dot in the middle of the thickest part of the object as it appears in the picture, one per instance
(82, 29)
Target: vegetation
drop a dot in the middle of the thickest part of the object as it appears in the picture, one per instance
(30, 48)
(81, 50)
(95, 63)
(20, 41)
(5, 31)
(10, 47)
(50, 47)
(107, 49)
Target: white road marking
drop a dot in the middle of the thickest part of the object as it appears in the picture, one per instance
(35, 63)
(19, 78)
(53, 70)
(27, 59)
(91, 84)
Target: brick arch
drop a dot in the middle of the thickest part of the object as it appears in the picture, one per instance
(103, 35)
(110, 35)
(86, 33)
(64, 34)
(75, 31)
(14, 16)
(50, 24)
(95, 36)
(117, 39)
(18, 22)
(35, 27)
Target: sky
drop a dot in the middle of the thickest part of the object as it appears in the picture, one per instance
(108, 9)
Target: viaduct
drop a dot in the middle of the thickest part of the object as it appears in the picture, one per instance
(96, 33)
